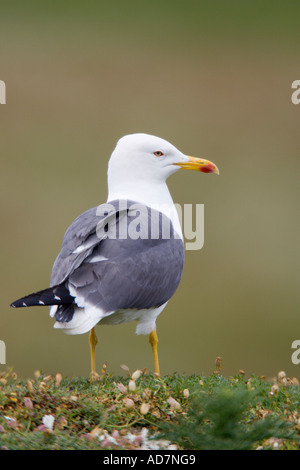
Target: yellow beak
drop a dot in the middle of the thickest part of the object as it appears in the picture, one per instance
(199, 164)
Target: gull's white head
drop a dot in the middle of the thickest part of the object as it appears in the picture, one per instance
(144, 157)
(142, 162)
(147, 157)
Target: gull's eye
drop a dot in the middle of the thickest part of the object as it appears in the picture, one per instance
(158, 153)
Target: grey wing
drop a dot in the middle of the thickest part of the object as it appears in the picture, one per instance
(80, 239)
(130, 273)
(111, 273)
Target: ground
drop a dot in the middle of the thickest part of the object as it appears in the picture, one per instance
(141, 411)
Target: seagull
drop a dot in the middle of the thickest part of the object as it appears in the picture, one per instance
(122, 261)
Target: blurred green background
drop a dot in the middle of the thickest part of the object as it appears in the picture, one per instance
(212, 77)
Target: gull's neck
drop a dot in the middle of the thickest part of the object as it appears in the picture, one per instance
(155, 195)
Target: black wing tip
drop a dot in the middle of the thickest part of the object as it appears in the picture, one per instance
(18, 303)
(57, 295)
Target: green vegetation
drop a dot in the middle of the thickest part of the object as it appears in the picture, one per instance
(144, 411)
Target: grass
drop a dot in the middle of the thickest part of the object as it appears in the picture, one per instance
(143, 411)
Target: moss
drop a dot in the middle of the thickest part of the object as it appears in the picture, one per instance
(194, 412)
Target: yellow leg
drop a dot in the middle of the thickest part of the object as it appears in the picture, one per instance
(153, 340)
(93, 340)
